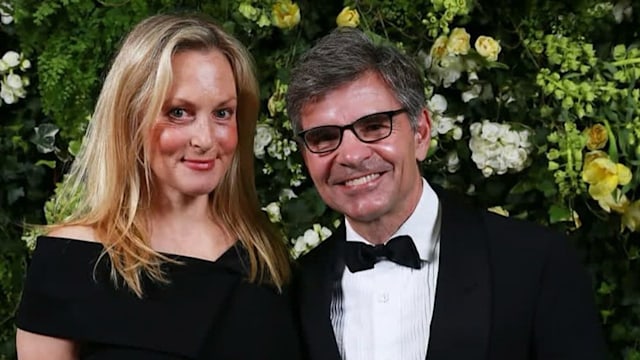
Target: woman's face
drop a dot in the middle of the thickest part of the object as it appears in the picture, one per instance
(195, 136)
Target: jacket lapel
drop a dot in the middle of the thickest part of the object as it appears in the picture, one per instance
(319, 271)
(462, 310)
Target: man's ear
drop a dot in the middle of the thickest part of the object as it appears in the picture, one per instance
(423, 135)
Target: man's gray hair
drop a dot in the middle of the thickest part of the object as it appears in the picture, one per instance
(345, 55)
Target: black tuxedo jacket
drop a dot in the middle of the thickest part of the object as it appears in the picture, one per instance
(506, 289)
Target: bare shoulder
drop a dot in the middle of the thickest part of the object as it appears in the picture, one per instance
(77, 232)
(35, 346)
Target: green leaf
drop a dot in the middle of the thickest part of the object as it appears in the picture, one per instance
(559, 213)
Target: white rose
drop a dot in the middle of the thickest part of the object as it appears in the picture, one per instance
(7, 95)
(12, 58)
(490, 131)
(437, 104)
(475, 129)
(511, 137)
(449, 77)
(445, 124)
(14, 81)
(524, 139)
(263, 137)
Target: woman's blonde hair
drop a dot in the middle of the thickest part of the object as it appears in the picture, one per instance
(112, 173)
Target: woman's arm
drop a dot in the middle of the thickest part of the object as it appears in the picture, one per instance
(33, 346)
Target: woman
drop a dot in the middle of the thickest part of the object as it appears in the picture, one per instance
(166, 254)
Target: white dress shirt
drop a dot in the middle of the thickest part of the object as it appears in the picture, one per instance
(385, 313)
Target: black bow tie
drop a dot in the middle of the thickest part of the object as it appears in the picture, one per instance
(400, 249)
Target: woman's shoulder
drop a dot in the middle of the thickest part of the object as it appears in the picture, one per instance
(74, 232)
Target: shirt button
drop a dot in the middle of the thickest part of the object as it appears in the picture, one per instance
(383, 297)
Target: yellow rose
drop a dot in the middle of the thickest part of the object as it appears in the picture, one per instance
(604, 176)
(631, 216)
(592, 155)
(617, 203)
(348, 17)
(285, 14)
(488, 47)
(596, 137)
(458, 43)
(439, 47)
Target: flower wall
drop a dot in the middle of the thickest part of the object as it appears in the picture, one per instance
(535, 110)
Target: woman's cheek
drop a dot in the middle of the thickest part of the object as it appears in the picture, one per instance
(169, 139)
(227, 138)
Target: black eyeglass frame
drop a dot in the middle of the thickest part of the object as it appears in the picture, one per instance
(351, 126)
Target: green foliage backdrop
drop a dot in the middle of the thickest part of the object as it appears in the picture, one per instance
(535, 107)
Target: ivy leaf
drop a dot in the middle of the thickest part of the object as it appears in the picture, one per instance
(45, 137)
(559, 213)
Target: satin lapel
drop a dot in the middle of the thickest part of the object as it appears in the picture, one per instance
(320, 270)
(462, 311)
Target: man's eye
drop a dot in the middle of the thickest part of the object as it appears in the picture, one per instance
(322, 135)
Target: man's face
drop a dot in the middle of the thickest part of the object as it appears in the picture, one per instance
(368, 182)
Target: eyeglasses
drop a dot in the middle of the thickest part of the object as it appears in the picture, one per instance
(368, 129)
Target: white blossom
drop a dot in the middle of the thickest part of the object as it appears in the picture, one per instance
(263, 137)
(472, 93)
(287, 194)
(310, 239)
(453, 162)
(457, 133)
(622, 11)
(497, 148)
(437, 104)
(11, 58)
(7, 95)
(14, 81)
(273, 211)
(5, 17)
(25, 64)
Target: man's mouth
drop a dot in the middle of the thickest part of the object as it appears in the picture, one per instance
(362, 180)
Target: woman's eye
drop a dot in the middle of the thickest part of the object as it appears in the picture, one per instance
(223, 113)
(177, 113)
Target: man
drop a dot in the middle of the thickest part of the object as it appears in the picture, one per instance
(463, 284)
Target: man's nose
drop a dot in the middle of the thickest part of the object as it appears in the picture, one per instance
(351, 149)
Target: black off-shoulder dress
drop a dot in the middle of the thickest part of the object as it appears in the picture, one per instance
(207, 311)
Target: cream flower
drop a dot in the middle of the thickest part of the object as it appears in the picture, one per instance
(439, 47)
(458, 43)
(488, 47)
(348, 17)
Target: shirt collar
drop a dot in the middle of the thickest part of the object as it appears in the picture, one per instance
(423, 225)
